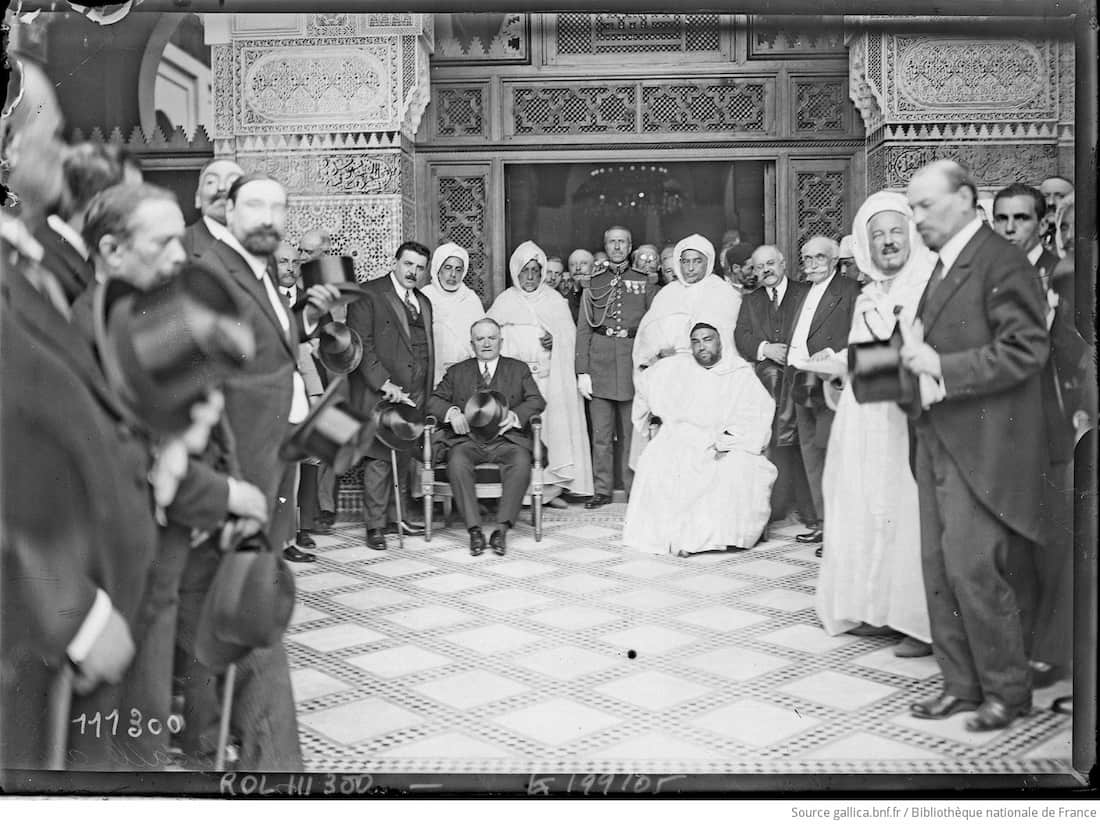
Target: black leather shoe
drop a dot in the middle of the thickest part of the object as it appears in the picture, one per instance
(596, 501)
(477, 541)
(819, 552)
(996, 715)
(408, 527)
(296, 556)
(732, 548)
(943, 706)
(376, 539)
(303, 540)
(814, 536)
(498, 541)
(1044, 674)
(320, 528)
(327, 518)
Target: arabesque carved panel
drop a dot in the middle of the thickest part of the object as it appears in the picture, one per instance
(367, 228)
(460, 111)
(591, 34)
(332, 173)
(992, 165)
(819, 105)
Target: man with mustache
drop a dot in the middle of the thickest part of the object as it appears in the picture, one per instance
(211, 197)
(262, 404)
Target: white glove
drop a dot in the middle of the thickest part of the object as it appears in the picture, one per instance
(584, 386)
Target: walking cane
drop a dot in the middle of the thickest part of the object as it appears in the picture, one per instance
(227, 709)
(59, 703)
(397, 501)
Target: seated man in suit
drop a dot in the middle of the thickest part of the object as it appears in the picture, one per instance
(510, 446)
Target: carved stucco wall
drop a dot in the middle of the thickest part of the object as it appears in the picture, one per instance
(1002, 106)
(328, 104)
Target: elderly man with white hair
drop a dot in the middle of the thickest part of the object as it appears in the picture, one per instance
(456, 307)
(536, 328)
(870, 579)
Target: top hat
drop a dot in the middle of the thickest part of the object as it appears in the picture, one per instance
(485, 411)
(332, 432)
(341, 349)
(331, 270)
(878, 374)
(248, 605)
(398, 425)
(163, 349)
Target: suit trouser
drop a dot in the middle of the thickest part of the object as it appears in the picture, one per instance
(1043, 574)
(284, 520)
(378, 507)
(976, 633)
(791, 488)
(326, 488)
(308, 507)
(515, 475)
(813, 455)
(263, 716)
(606, 415)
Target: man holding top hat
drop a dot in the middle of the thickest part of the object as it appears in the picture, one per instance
(487, 402)
(394, 321)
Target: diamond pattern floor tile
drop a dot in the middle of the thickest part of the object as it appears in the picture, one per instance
(722, 619)
(348, 555)
(359, 721)
(769, 569)
(855, 747)
(572, 617)
(339, 636)
(398, 567)
(645, 599)
(650, 639)
(788, 600)
(884, 660)
(653, 690)
(303, 614)
(585, 555)
(451, 582)
(565, 662)
(324, 580)
(556, 722)
(510, 567)
(393, 663)
(737, 664)
(508, 599)
(582, 584)
(309, 684)
(710, 584)
(372, 598)
(449, 745)
(470, 689)
(836, 690)
(754, 722)
(646, 569)
(429, 617)
(491, 639)
(658, 745)
(590, 533)
(807, 638)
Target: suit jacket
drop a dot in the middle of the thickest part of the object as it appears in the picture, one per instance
(512, 379)
(381, 321)
(610, 360)
(258, 399)
(987, 323)
(759, 322)
(1044, 268)
(197, 239)
(72, 271)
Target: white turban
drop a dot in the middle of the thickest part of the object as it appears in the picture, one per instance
(701, 245)
(524, 254)
(861, 241)
(439, 257)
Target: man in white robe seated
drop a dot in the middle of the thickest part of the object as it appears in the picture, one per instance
(703, 482)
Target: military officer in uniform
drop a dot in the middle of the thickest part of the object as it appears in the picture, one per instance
(611, 308)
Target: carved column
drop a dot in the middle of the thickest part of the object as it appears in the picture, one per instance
(328, 104)
(1001, 105)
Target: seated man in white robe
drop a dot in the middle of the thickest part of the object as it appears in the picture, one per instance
(703, 482)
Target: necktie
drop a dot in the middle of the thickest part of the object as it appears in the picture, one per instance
(773, 293)
(933, 281)
(485, 376)
(411, 303)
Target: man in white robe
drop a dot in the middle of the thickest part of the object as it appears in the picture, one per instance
(703, 483)
(455, 307)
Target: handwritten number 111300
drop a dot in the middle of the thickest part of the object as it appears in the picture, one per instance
(103, 725)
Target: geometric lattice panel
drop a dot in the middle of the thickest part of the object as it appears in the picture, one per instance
(637, 34)
(819, 200)
(423, 659)
(697, 107)
(576, 109)
(461, 219)
(460, 111)
(819, 105)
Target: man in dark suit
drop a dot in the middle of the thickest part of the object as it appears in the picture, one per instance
(262, 403)
(820, 329)
(978, 461)
(762, 333)
(211, 196)
(510, 446)
(1044, 579)
(395, 322)
(612, 306)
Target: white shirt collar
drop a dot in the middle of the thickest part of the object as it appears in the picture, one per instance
(821, 286)
(71, 235)
(218, 230)
(1035, 253)
(401, 289)
(492, 364)
(780, 289)
(953, 248)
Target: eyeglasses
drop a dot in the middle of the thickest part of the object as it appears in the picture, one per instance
(807, 259)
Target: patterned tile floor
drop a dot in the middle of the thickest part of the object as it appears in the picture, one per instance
(575, 655)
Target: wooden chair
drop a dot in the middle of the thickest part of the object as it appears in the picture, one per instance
(487, 485)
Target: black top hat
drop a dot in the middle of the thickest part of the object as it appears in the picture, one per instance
(340, 349)
(163, 349)
(248, 605)
(878, 374)
(333, 432)
(485, 411)
(333, 270)
(399, 425)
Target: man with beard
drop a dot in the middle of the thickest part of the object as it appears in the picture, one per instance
(763, 330)
(210, 198)
(580, 275)
(820, 330)
(263, 403)
(611, 308)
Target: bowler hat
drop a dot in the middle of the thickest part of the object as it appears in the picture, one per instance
(333, 433)
(485, 411)
(399, 426)
(340, 349)
(331, 270)
(164, 348)
(248, 605)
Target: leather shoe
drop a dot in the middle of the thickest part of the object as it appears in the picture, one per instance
(995, 715)
(498, 541)
(596, 501)
(303, 540)
(408, 527)
(296, 556)
(819, 551)
(477, 541)
(910, 647)
(376, 539)
(814, 536)
(732, 548)
(327, 517)
(320, 528)
(1044, 674)
(944, 706)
